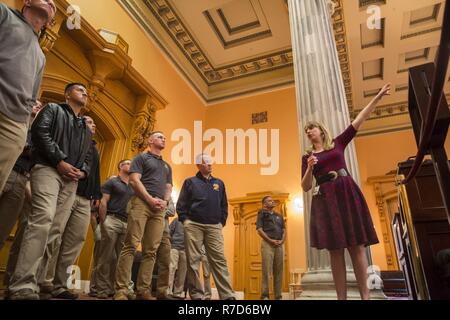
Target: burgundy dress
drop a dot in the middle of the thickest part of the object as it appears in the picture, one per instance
(340, 217)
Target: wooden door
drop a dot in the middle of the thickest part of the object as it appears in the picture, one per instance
(253, 264)
(247, 247)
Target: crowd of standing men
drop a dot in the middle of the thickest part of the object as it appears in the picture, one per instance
(50, 186)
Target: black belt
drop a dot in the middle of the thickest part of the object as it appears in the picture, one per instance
(119, 216)
(331, 176)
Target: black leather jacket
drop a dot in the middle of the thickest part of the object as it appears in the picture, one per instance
(52, 134)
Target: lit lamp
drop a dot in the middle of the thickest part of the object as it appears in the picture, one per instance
(174, 195)
(298, 204)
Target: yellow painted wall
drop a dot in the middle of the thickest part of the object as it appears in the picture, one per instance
(243, 179)
(184, 106)
(377, 155)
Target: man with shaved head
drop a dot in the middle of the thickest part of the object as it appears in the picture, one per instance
(151, 179)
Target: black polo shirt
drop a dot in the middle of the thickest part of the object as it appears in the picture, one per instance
(120, 193)
(155, 173)
(271, 223)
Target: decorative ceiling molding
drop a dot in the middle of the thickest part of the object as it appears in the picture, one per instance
(236, 42)
(232, 30)
(389, 110)
(366, 3)
(162, 22)
(342, 49)
(385, 111)
(420, 33)
(173, 24)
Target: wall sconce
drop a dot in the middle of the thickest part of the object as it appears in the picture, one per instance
(175, 195)
(298, 204)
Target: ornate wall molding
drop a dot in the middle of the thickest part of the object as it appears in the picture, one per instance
(143, 125)
(385, 190)
(342, 49)
(389, 110)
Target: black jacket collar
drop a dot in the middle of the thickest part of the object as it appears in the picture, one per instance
(201, 177)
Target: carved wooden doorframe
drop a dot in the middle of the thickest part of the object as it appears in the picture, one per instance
(385, 192)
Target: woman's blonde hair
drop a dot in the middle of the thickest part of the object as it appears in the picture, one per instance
(328, 143)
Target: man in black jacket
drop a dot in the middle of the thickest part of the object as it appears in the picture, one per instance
(61, 153)
(203, 209)
(66, 238)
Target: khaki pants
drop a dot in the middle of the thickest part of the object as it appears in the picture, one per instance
(196, 235)
(13, 136)
(112, 240)
(163, 262)
(18, 237)
(272, 263)
(206, 278)
(177, 272)
(97, 243)
(11, 203)
(146, 227)
(68, 247)
(51, 196)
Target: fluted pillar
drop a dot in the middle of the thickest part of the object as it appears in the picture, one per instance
(321, 97)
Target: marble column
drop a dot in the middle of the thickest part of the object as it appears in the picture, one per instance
(321, 97)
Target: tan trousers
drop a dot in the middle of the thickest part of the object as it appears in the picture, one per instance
(177, 272)
(51, 196)
(146, 227)
(196, 236)
(163, 262)
(96, 255)
(206, 278)
(111, 244)
(272, 263)
(13, 136)
(68, 246)
(18, 237)
(11, 203)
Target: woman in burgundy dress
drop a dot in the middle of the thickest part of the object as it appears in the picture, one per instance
(340, 218)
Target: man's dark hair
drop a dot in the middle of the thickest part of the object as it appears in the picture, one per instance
(120, 163)
(265, 198)
(70, 86)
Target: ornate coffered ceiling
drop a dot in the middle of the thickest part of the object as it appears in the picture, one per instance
(224, 48)
(227, 48)
(408, 35)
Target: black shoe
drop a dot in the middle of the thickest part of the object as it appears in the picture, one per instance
(6, 295)
(166, 297)
(45, 296)
(24, 294)
(66, 295)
